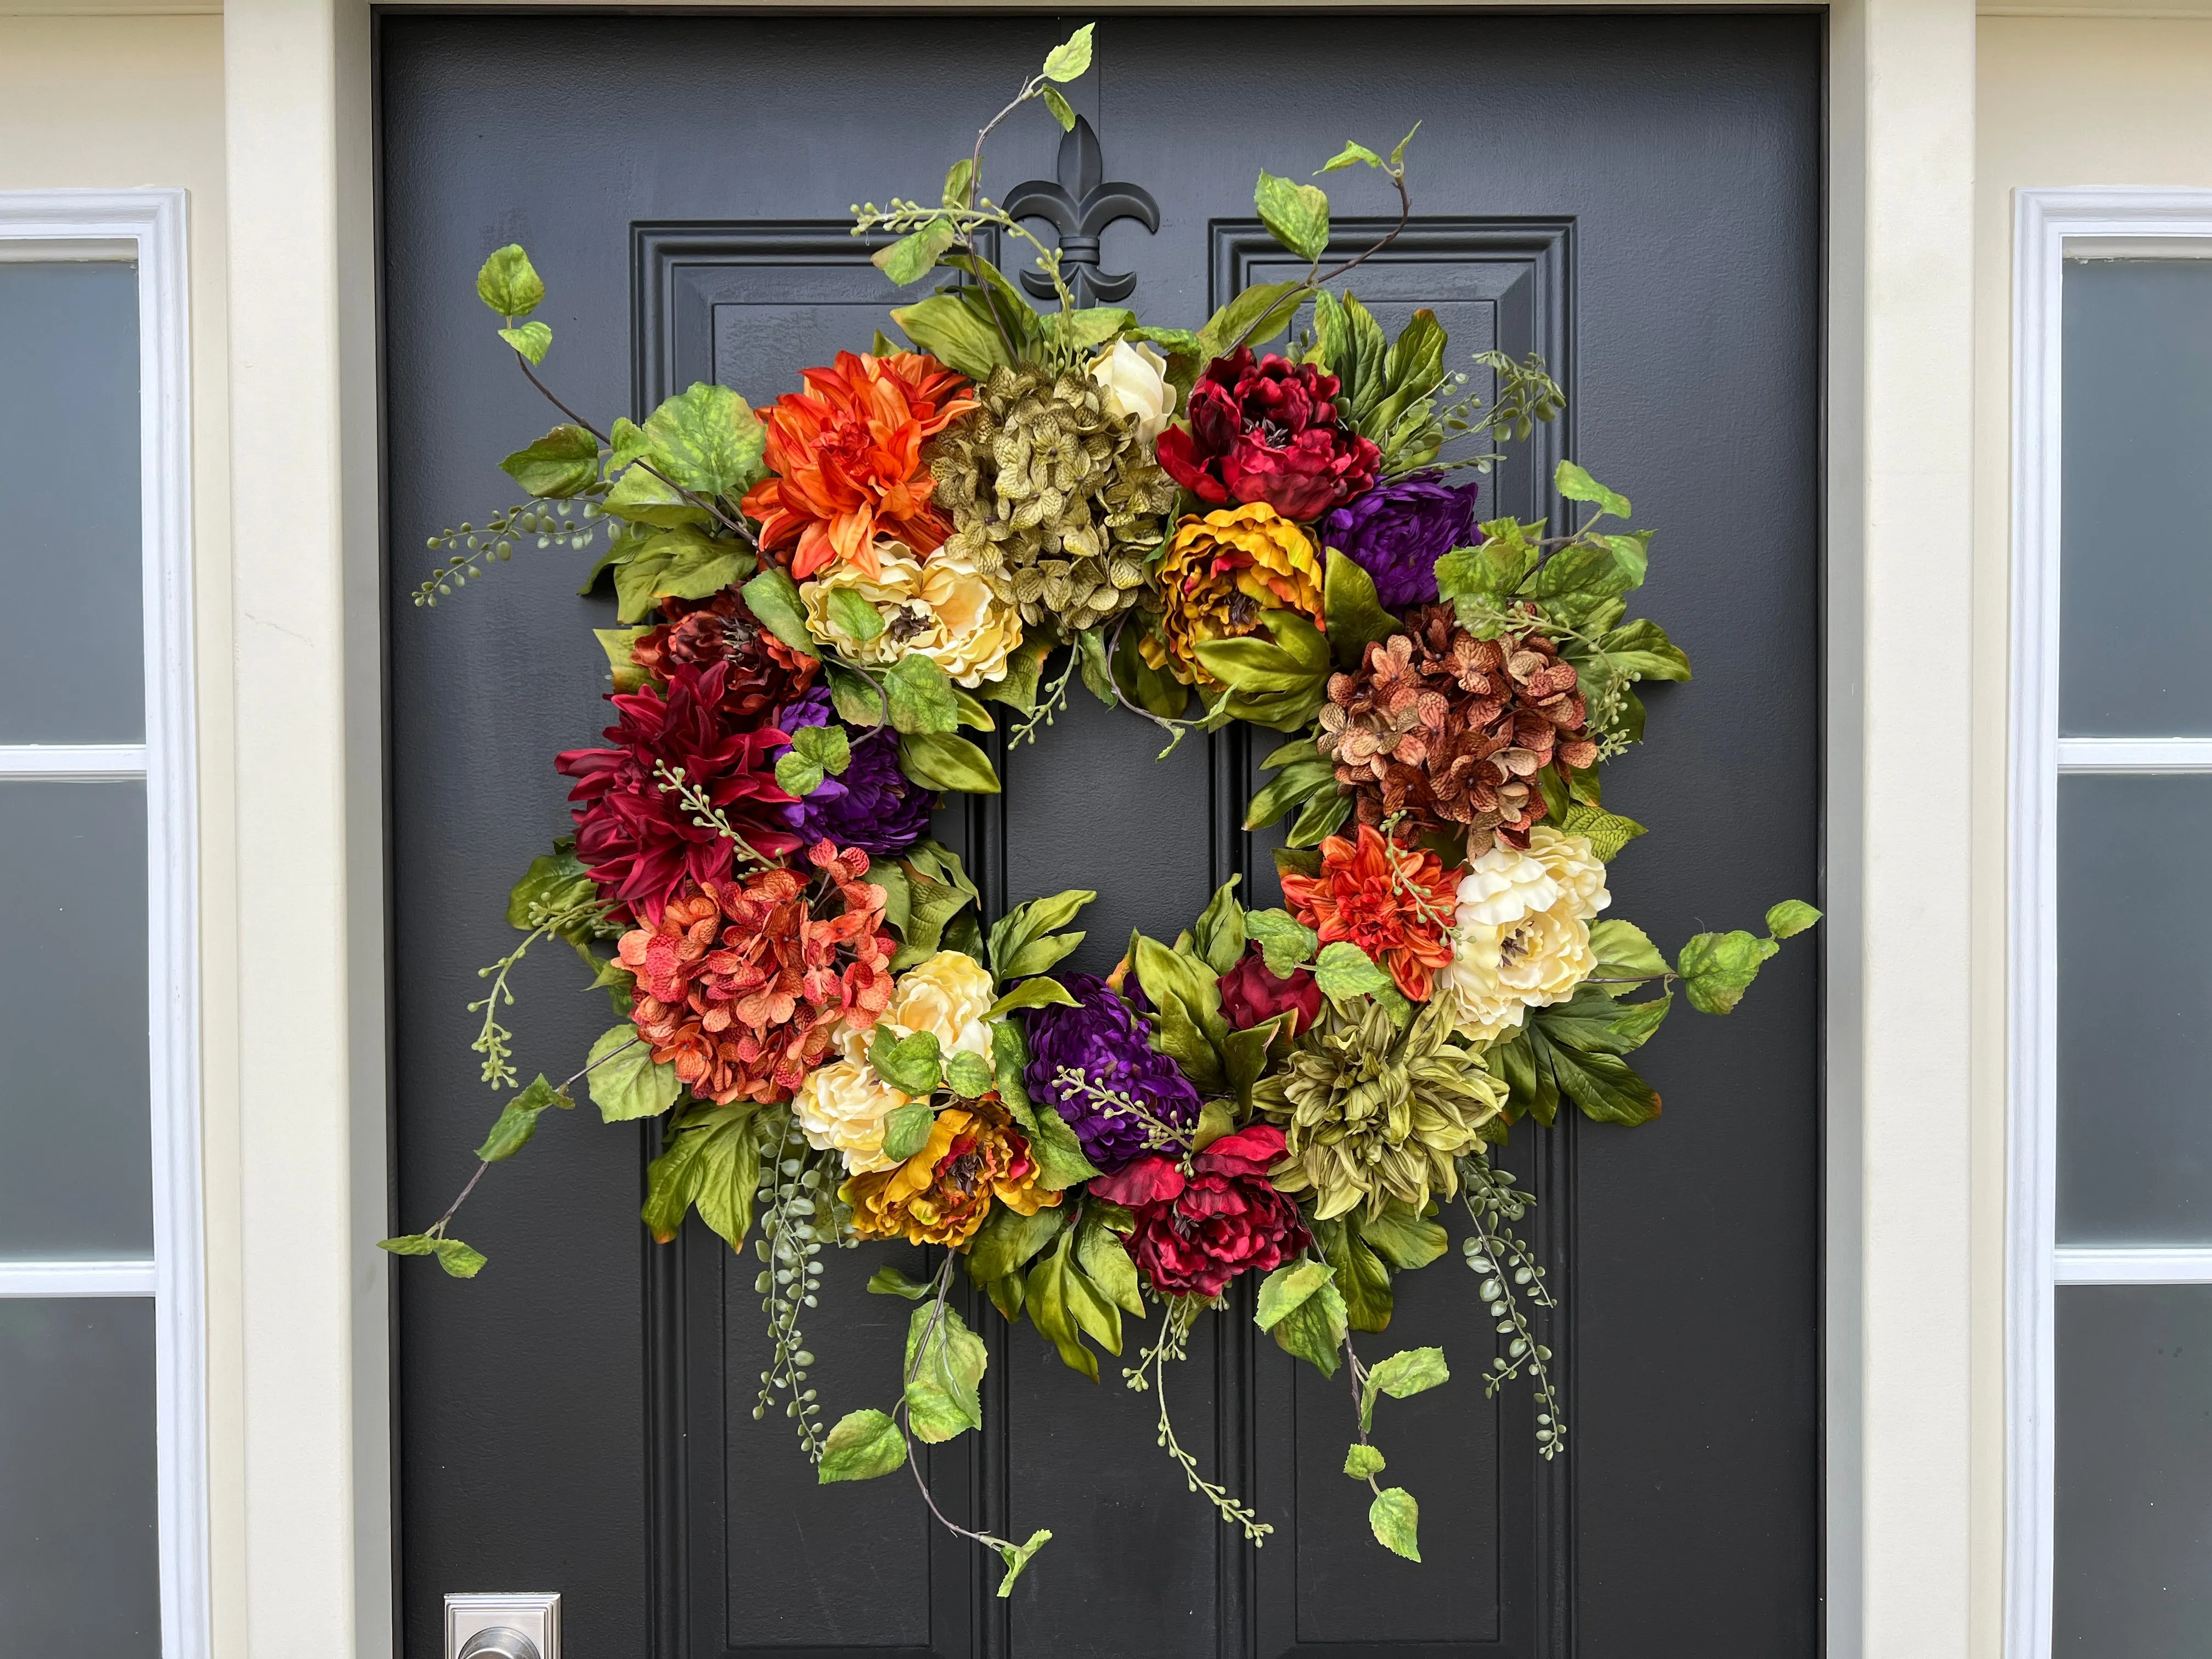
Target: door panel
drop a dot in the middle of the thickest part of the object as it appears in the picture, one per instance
(1635, 197)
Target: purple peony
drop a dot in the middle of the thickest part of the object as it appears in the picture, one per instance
(1398, 530)
(1111, 1046)
(873, 805)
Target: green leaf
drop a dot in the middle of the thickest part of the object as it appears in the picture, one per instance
(623, 667)
(889, 1281)
(972, 713)
(520, 1120)
(863, 1445)
(954, 333)
(795, 775)
(1344, 971)
(1641, 650)
(968, 1074)
(684, 562)
(1412, 369)
(1361, 1462)
(643, 498)
(1283, 1291)
(906, 1128)
(710, 1160)
(1396, 1520)
(707, 439)
(1220, 931)
(509, 285)
(1398, 154)
(1255, 316)
(1406, 1240)
(959, 182)
(1410, 1371)
(1295, 214)
(1352, 154)
(533, 340)
(1608, 832)
(1315, 1330)
(562, 463)
(1018, 1555)
(1361, 1277)
(626, 1082)
(1604, 1086)
(555, 882)
(1015, 935)
(826, 746)
(939, 760)
(1053, 1297)
(1285, 943)
(1060, 1162)
(1105, 1260)
(1041, 992)
(1577, 485)
(627, 443)
(1790, 918)
(1008, 1239)
(772, 597)
(1356, 617)
(1625, 951)
(1294, 786)
(1353, 349)
(1062, 111)
(909, 1063)
(1597, 1024)
(1322, 817)
(459, 1259)
(1018, 690)
(945, 1363)
(853, 694)
(1066, 61)
(912, 257)
(1718, 969)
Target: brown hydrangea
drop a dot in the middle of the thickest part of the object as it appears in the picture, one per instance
(1450, 732)
(764, 674)
(1058, 502)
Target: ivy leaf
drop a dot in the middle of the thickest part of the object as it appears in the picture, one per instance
(1718, 969)
(1066, 61)
(1344, 971)
(520, 1120)
(863, 1445)
(909, 1063)
(939, 760)
(509, 283)
(1790, 918)
(1355, 617)
(1577, 485)
(889, 1281)
(1043, 991)
(912, 257)
(1018, 1555)
(533, 340)
(707, 439)
(1361, 1462)
(1397, 1519)
(969, 1075)
(772, 597)
(1351, 154)
(1062, 111)
(626, 1082)
(562, 464)
(1296, 214)
(945, 1363)
(1286, 943)
(1410, 1371)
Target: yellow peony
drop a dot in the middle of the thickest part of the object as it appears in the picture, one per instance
(944, 610)
(946, 995)
(942, 1195)
(1522, 931)
(1219, 573)
(842, 1107)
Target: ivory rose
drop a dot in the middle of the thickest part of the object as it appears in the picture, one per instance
(842, 1107)
(1133, 379)
(946, 995)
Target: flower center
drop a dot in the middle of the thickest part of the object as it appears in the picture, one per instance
(846, 442)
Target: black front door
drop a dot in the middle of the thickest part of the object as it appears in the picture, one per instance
(1636, 199)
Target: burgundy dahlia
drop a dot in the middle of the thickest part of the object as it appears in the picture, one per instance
(1195, 1232)
(1250, 993)
(1398, 530)
(636, 837)
(1268, 432)
(872, 805)
(1129, 1092)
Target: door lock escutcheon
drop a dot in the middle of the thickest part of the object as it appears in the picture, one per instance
(514, 1625)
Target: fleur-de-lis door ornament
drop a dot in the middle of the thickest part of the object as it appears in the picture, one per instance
(1079, 207)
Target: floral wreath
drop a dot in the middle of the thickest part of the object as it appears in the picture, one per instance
(816, 599)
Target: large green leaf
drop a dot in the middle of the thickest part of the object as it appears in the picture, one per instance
(626, 1082)
(1396, 1520)
(941, 760)
(1406, 1240)
(920, 696)
(707, 439)
(1024, 941)
(863, 1445)
(555, 882)
(1606, 1086)
(1008, 1239)
(1296, 214)
(644, 498)
(1356, 617)
(1067, 61)
(1060, 1162)
(955, 332)
(772, 597)
(1254, 317)
(945, 1363)
(711, 1161)
(562, 464)
(509, 283)
(1361, 1276)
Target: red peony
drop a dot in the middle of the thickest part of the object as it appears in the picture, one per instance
(1195, 1232)
(764, 673)
(1250, 993)
(1268, 432)
(638, 839)
(742, 985)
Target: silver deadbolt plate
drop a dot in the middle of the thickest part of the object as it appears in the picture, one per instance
(516, 1624)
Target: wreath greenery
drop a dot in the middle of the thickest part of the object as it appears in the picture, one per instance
(816, 601)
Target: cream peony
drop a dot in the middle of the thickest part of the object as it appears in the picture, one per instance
(944, 610)
(1134, 382)
(947, 995)
(842, 1106)
(1522, 931)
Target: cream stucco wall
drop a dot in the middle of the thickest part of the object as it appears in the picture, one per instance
(94, 102)
(2078, 99)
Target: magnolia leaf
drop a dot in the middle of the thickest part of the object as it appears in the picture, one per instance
(1344, 971)
(1286, 943)
(1790, 918)
(533, 340)
(1361, 1277)
(1018, 1555)
(1060, 1162)
(1057, 1302)
(909, 1063)
(1597, 1024)
(1220, 931)
(889, 1281)
(1215, 1119)
(1041, 992)
(1296, 214)
(945, 1363)
(1356, 617)
(562, 463)
(1410, 1371)
(1015, 935)
(508, 282)
(772, 597)
(1062, 111)
(1361, 1462)
(912, 257)
(863, 1445)
(710, 1160)
(1397, 1519)
(626, 1082)
(1351, 154)
(1322, 817)
(616, 643)
(1105, 1259)
(1577, 485)
(969, 1075)
(1066, 61)
(953, 333)
(939, 760)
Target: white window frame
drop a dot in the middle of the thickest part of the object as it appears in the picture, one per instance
(148, 227)
(2048, 226)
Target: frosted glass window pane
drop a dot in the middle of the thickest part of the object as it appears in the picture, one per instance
(2133, 1553)
(2136, 576)
(75, 1158)
(79, 1565)
(70, 636)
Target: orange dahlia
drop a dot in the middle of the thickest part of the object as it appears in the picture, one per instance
(942, 1193)
(847, 459)
(743, 985)
(1395, 903)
